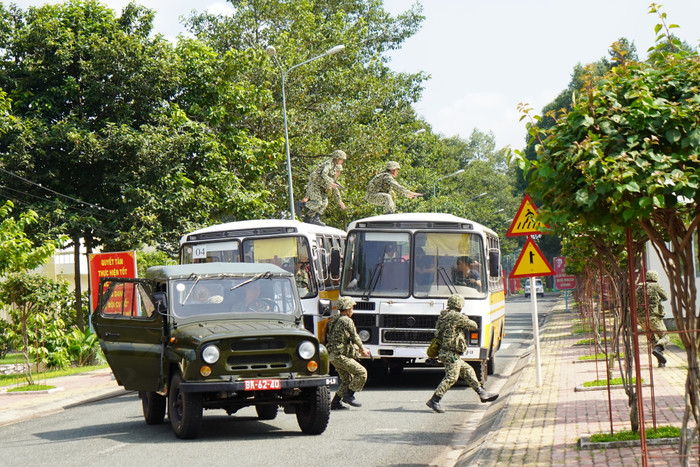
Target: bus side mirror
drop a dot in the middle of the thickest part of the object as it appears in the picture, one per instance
(494, 263)
(160, 300)
(324, 307)
(335, 264)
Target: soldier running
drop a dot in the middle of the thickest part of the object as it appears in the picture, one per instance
(451, 329)
(656, 328)
(322, 181)
(344, 347)
(379, 190)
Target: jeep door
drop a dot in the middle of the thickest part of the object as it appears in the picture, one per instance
(130, 332)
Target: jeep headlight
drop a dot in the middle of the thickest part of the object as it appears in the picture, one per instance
(306, 349)
(211, 354)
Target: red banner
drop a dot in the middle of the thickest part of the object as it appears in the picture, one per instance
(117, 264)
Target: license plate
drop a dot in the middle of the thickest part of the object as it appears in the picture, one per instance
(262, 384)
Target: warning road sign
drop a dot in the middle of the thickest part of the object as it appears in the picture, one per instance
(531, 262)
(524, 222)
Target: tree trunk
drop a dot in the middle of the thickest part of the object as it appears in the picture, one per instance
(78, 287)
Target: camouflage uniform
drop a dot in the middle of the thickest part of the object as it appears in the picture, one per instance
(655, 295)
(380, 188)
(320, 185)
(451, 328)
(344, 344)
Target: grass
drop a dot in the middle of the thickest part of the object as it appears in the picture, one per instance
(7, 380)
(660, 432)
(600, 356)
(589, 341)
(604, 382)
(31, 387)
(676, 340)
(11, 359)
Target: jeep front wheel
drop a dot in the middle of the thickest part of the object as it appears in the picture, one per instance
(184, 410)
(153, 407)
(313, 416)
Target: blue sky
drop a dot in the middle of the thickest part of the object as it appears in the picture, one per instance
(487, 56)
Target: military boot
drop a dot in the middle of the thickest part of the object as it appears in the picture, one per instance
(486, 396)
(349, 398)
(307, 219)
(317, 220)
(336, 404)
(434, 403)
(658, 352)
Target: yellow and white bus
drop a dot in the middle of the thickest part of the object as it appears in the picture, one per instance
(401, 268)
(312, 252)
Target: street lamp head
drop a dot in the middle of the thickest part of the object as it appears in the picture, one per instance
(335, 50)
(271, 51)
(419, 132)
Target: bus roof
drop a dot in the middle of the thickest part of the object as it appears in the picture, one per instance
(276, 227)
(417, 220)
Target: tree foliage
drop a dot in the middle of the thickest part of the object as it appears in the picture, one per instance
(625, 156)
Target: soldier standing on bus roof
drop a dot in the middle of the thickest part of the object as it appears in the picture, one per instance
(656, 329)
(379, 190)
(322, 181)
(451, 328)
(344, 347)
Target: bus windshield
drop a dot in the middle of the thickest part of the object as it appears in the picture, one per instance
(429, 264)
(291, 253)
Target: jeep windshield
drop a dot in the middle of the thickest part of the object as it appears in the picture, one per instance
(221, 295)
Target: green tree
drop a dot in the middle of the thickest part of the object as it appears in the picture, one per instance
(625, 156)
(350, 101)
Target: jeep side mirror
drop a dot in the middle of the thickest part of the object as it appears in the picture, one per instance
(160, 300)
(324, 307)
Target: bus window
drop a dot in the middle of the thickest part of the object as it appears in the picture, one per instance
(290, 253)
(227, 252)
(445, 262)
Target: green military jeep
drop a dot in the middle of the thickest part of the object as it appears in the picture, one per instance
(214, 336)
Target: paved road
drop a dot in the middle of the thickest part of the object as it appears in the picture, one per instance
(393, 428)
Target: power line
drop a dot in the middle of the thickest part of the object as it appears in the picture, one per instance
(56, 192)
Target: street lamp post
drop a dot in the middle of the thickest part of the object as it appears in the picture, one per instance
(442, 178)
(272, 52)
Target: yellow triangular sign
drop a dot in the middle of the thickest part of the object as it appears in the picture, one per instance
(531, 262)
(524, 222)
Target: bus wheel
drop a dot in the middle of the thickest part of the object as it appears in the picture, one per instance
(491, 365)
(481, 369)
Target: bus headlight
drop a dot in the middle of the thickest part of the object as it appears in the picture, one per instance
(211, 354)
(364, 335)
(306, 350)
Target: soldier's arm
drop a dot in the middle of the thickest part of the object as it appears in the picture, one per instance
(466, 323)
(662, 293)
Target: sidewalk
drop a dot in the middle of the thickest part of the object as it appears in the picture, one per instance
(533, 426)
(70, 391)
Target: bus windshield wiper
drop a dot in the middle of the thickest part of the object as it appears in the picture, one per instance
(373, 280)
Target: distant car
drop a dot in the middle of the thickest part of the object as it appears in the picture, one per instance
(539, 288)
(214, 336)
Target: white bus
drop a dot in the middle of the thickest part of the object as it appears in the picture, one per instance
(401, 268)
(311, 252)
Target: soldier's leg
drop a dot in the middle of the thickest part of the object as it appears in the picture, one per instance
(451, 376)
(468, 374)
(359, 375)
(658, 327)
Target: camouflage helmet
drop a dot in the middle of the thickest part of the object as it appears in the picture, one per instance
(392, 165)
(345, 303)
(338, 154)
(456, 302)
(652, 276)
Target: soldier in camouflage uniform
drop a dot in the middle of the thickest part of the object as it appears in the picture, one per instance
(344, 347)
(451, 329)
(322, 181)
(657, 329)
(380, 188)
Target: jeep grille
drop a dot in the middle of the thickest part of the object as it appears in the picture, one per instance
(259, 362)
